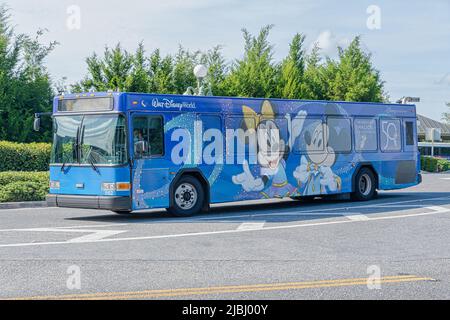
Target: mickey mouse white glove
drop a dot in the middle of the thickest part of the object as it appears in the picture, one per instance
(328, 178)
(246, 179)
(302, 173)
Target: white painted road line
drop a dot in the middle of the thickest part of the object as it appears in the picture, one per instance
(251, 225)
(437, 208)
(94, 235)
(321, 212)
(357, 217)
(68, 227)
(195, 234)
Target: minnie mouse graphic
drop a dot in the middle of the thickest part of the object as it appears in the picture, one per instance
(272, 153)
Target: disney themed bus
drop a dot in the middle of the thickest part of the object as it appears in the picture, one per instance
(129, 152)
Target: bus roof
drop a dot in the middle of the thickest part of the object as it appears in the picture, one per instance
(131, 101)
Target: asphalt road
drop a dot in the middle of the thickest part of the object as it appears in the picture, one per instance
(265, 250)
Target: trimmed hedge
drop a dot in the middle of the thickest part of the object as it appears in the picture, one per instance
(24, 156)
(432, 164)
(23, 186)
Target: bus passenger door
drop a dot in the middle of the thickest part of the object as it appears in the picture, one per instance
(149, 172)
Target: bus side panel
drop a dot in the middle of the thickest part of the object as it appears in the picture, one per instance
(306, 165)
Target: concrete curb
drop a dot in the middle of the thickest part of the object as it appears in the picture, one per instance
(27, 204)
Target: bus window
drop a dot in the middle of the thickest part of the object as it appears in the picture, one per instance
(339, 134)
(241, 140)
(310, 139)
(148, 136)
(409, 133)
(276, 134)
(365, 134)
(390, 135)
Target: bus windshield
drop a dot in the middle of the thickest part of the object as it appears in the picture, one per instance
(89, 139)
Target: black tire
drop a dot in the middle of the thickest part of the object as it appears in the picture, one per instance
(123, 212)
(365, 185)
(304, 199)
(187, 197)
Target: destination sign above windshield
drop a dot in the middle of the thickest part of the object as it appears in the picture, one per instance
(86, 104)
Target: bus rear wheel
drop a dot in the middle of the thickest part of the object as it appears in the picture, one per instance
(304, 199)
(365, 185)
(187, 197)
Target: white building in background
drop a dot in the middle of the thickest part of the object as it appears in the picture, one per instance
(434, 137)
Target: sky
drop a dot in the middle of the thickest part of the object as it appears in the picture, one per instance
(409, 40)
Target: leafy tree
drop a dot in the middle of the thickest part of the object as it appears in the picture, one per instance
(292, 70)
(25, 86)
(139, 78)
(352, 77)
(313, 86)
(111, 72)
(183, 66)
(217, 70)
(255, 75)
(161, 72)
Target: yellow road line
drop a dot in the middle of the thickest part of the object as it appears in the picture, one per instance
(227, 289)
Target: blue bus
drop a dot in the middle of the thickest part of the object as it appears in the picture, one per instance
(127, 152)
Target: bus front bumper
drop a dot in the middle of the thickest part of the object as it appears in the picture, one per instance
(114, 203)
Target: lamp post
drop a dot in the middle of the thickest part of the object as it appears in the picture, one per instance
(200, 72)
(432, 142)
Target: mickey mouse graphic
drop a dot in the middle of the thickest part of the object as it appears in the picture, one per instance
(315, 174)
(272, 152)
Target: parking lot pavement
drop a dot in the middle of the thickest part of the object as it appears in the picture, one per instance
(394, 247)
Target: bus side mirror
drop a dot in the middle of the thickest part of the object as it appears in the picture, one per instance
(37, 124)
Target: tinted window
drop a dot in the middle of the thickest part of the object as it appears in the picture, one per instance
(365, 134)
(310, 138)
(148, 136)
(409, 133)
(240, 137)
(274, 133)
(390, 135)
(339, 137)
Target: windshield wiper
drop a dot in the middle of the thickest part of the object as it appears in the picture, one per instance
(92, 164)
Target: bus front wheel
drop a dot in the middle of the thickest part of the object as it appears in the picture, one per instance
(365, 185)
(187, 197)
(122, 211)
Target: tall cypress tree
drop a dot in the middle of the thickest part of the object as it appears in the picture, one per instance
(255, 75)
(292, 70)
(352, 77)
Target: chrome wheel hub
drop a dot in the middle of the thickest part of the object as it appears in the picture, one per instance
(365, 184)
(186, 196)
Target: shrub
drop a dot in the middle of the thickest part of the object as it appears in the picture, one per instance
(14, 176)
(443, 165)
(432, 164)
(24, 156)
(23, 186)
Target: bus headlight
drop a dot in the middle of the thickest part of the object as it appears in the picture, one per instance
(54, 185)
(119, 186)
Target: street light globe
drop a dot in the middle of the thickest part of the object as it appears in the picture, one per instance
(200, 71)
